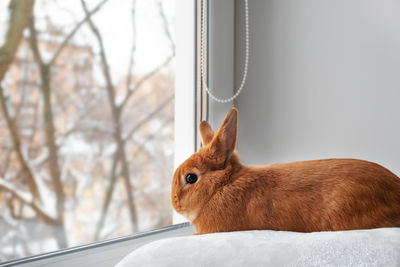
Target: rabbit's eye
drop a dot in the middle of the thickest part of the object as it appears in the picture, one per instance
(191, 178)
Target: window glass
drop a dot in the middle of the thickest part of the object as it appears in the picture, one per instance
(86, 135)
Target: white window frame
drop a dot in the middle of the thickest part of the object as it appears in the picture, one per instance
(185, 86)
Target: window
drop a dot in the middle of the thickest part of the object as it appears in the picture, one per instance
(91, 153)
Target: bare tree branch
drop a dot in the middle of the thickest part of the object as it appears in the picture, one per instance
(107, 200)
(73, 126)
(116, 121)
(48, 112)
(29, 202)
(33, 43)
(4, 168)
(21, 11)
(142, 146)
(165, 24)
(146, 77)
(150, 115)
(23, 95)
(133, 47)
(17, 234)
(17, 146)
(49, 124)
(143, 80)
(74, 30)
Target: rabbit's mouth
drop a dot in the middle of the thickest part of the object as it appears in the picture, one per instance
(190, 215)
(175, 203)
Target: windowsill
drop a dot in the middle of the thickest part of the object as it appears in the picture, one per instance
(104, 253)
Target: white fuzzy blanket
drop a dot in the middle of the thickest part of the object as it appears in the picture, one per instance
(376, 247)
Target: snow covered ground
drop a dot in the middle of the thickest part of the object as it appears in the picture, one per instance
(376, 247)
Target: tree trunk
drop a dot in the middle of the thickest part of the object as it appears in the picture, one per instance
(128, 186)
(50, 140)
(28, 175)
(109, 194)
(21, 11)
(54, 168)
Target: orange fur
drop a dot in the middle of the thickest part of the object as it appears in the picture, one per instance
(306, 196)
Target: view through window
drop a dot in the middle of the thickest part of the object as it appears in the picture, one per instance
(86, 124)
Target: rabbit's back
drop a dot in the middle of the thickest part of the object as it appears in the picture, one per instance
(319, 195)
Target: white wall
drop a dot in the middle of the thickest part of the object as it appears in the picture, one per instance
(324, 81)
(221, 41)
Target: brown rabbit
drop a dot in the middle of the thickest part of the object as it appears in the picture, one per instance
(214, 191)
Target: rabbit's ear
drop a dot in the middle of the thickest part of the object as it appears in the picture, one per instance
(224, 141)
(206, 132)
